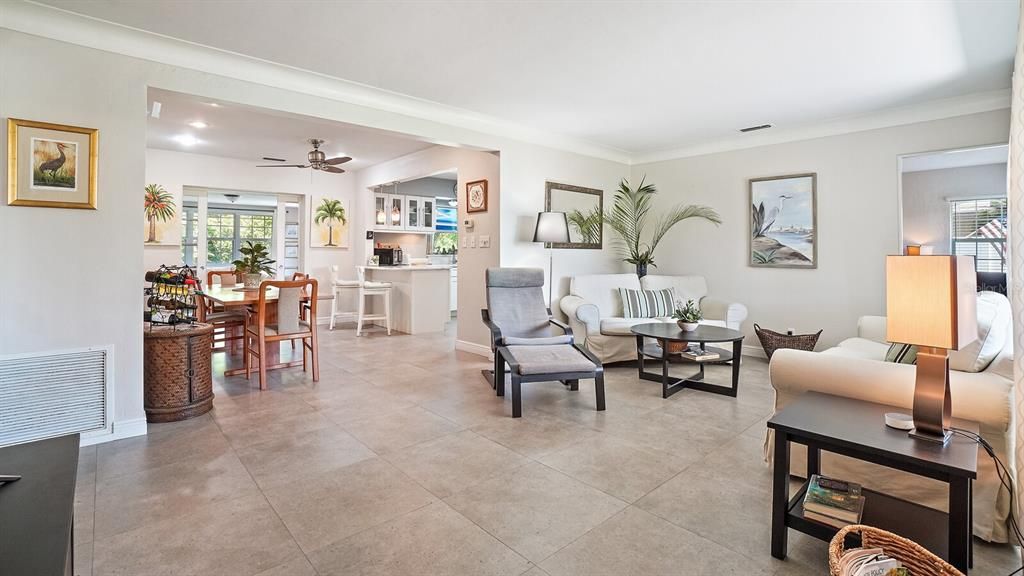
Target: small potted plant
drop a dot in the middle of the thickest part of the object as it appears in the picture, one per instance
(253, 264)
(687, 316)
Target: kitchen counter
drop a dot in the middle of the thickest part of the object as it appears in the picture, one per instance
(420, 296)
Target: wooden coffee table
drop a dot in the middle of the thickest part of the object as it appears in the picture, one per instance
(664, 333)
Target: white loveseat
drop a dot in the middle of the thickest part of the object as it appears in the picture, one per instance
(594, 309)
(981, 387)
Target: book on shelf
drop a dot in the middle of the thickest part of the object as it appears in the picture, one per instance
(828, 520)
(696, 353)
(838, 500)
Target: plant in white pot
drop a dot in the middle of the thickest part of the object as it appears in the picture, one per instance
(253, 264)
(687, 316)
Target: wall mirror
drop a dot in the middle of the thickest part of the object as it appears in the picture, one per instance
(584, 209)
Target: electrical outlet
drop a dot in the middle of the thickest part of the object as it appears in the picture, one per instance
(485, 241)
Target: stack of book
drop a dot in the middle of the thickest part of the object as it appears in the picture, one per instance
(833, 502)
(695, 353)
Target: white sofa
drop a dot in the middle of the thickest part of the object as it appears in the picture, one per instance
(981, 387)
(594, 309)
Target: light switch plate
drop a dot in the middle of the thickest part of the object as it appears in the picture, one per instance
(465, 240)
(485, 241)
(472, 241)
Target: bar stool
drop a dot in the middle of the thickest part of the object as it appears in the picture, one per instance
(369, 288)
(338, 287)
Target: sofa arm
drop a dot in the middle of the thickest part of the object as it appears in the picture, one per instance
(584, 317)
(732, 313)
(872, 328)
(982, 397)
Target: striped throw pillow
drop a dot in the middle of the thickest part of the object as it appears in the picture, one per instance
(901, 353)
(647, 303)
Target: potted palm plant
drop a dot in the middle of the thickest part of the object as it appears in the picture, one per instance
(159, 206)
(253, 264)
(628, 218)
(330, 211)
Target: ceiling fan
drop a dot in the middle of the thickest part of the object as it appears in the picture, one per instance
(317, 160)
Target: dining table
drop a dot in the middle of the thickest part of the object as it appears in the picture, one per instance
(236, 296)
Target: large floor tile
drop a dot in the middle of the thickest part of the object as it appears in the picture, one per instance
(290, 458)
(323, 509)
(247, 429)
(535, 434)
(637, 543)
(297, 567)
(454, 462)
(535, 510)
(389, 432)
(618, 467)
(237, 537)
(193, 441)
(132, 500)
(433, 540)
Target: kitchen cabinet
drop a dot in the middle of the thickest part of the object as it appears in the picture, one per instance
(419, 212)
(407, 213)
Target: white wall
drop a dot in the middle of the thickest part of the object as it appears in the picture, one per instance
(926, 196)
(858, 220)
(174, 170)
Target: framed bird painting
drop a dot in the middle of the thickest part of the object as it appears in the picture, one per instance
(784, 221)
(51, 165)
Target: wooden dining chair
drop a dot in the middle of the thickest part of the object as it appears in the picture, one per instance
(301, 276)
(295, 298)
(223, 277)
(228, 323)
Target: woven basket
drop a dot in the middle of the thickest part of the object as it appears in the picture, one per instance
(772, 341)
(912, 555)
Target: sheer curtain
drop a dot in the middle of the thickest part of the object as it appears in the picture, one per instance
(1016, 202)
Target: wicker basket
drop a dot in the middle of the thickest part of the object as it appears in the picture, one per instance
(177, 372)
(912, 555)
(772, 341)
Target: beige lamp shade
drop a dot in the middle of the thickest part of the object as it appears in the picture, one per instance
(931, 301)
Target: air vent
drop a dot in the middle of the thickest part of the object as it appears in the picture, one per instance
(756, 128)
(269, 159)
(52, 394)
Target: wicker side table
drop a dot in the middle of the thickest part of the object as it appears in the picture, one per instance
(177, 374)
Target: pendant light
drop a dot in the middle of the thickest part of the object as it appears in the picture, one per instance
(396, 211)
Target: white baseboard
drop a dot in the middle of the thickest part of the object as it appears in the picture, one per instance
(473, 348)
(119, 430)
(754, 351)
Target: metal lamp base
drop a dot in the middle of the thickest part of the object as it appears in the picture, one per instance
(932, 406)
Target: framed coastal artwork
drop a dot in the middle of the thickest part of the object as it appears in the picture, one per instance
(328, 223)
(160, 211)
(784, 221)
(51, 165)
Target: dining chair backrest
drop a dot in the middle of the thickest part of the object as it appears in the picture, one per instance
(300, 276)
(223, 277)
(292, 296)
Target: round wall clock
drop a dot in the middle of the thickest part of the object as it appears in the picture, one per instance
(476, 196)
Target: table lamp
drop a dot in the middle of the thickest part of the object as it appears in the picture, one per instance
(552, 227)
(931, 303)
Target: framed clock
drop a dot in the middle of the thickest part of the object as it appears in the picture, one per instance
(476, 196)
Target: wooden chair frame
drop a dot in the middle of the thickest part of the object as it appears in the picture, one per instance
(256, 329)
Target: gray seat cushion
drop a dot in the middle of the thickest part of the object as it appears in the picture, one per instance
(544, 341)
(535, 360)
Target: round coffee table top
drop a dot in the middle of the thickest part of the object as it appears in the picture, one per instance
(671, 332)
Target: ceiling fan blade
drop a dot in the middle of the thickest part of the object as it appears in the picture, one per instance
(332, 169)
(281, 166)
(338, 160)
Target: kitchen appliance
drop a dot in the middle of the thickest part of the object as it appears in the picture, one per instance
(388, 256)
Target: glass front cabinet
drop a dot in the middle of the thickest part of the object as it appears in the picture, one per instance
(398, 212)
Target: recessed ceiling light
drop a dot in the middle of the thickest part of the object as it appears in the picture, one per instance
(214, 104)
(197, 124)
(186, 139)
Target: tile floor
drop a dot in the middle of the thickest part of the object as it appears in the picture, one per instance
(402, 461)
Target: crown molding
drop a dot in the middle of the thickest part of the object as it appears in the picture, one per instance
(65, 26)
(924, 112)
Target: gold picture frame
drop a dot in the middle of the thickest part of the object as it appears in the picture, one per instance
(44, 163)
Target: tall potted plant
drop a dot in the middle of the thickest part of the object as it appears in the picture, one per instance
(253, 264)
(159, 206)
(330, 211)
(628, 218)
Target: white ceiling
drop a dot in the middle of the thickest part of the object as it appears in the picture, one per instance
(639, 77)
(957, 158)
(237, 131)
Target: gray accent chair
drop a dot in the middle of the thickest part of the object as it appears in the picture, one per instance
(535, 346)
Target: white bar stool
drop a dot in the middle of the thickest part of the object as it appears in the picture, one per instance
(338, 287)
(369, 288)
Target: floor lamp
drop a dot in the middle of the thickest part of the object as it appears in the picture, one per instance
(552, 228)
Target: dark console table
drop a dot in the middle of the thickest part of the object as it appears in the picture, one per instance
(856, 429)
(36, 511)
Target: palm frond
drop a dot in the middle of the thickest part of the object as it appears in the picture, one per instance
(679, 213)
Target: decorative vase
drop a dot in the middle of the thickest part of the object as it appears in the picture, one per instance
(641, 269)
(687, 326)
(251, 281)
